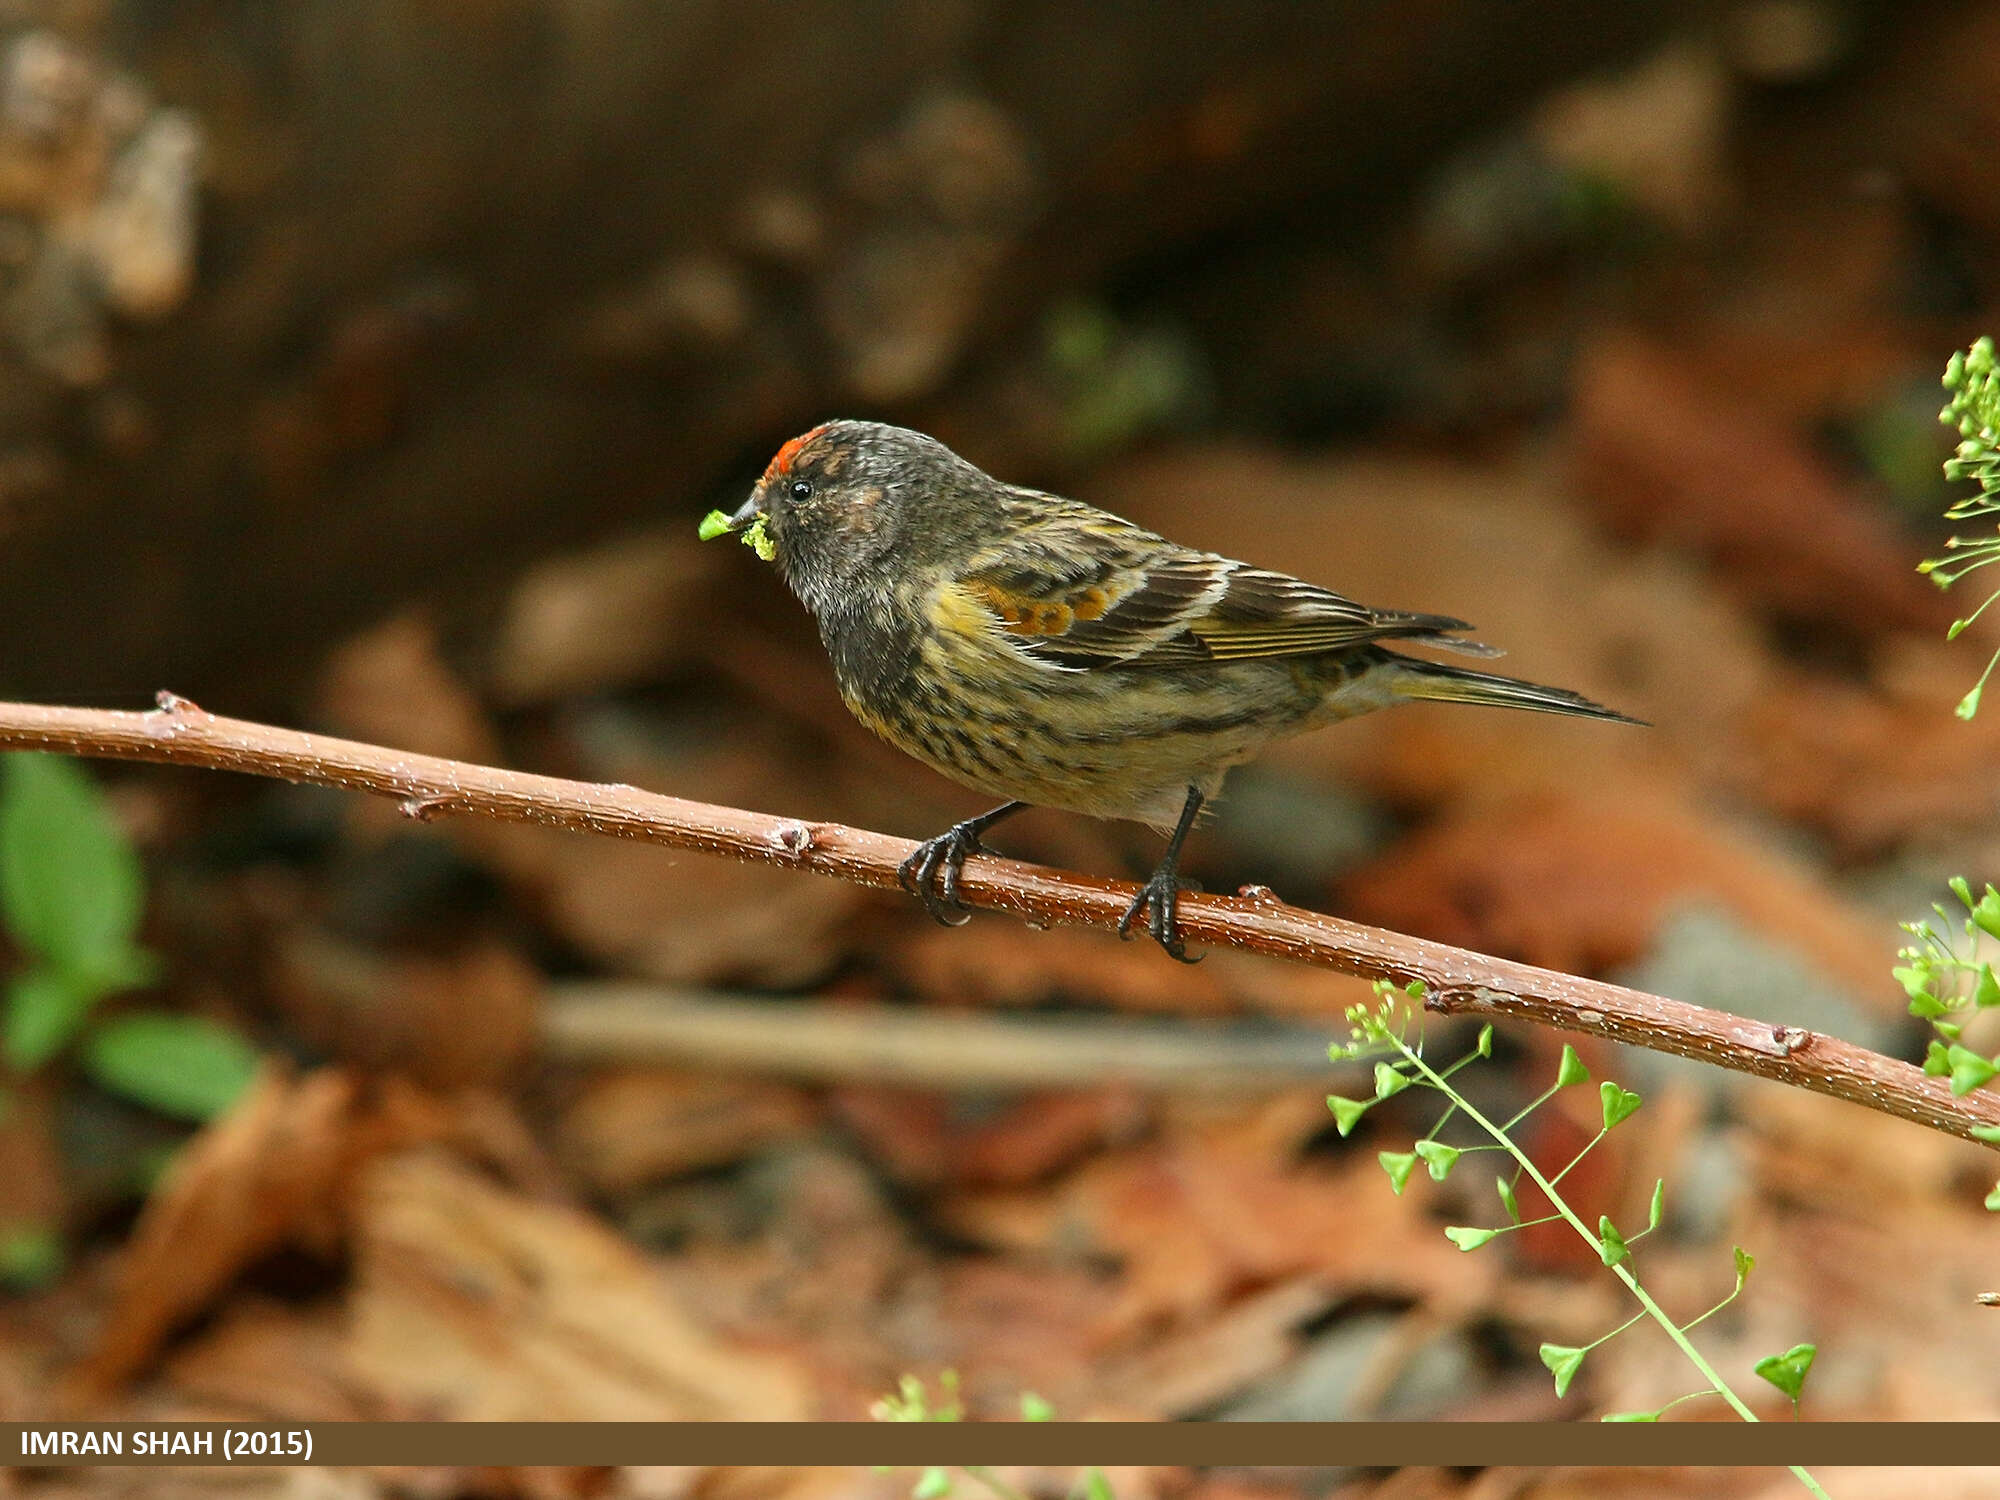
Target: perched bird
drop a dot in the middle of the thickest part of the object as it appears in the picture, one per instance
(1044, 651)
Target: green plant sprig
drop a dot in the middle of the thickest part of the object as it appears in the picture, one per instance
(1382, 1031)
(1944, 977)
(72, 898)
(911, 1401)
(1973, 410)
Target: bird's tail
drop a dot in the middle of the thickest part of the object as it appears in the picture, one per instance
(1434, 681)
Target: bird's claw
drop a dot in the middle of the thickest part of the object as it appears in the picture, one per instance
(943, 856)
(1159, 898)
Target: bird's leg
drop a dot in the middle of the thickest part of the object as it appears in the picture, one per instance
(1162, 890)
(948, 852)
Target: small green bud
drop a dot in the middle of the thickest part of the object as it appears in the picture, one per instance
(1618, 1103)
(1563, 1362)
(1787, 1371)
(1571, 1069)
(1347, 1113)
(1399, 1165)
(1388, 1081)
(1968, 1069)
(1438, 1158)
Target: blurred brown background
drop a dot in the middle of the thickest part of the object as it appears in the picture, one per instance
(367, 363)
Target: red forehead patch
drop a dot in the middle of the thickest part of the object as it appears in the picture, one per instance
(782, 464)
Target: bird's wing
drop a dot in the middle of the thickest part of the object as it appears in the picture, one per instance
(1077, 588)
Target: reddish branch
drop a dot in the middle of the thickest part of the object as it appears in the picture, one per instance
(1455, 981)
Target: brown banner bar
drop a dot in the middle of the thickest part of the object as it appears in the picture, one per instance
(1372, 1444)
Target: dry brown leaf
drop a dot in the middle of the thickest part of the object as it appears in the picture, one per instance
(273, 1361)
(631, 906)
(1195, 1220)
(1193, 1370)
(607, 617)
(1006, 1326)
(391, 686)
(1665, 456)
(270, 1172)
(33, 1195)
(1581, 881)
(473, 1304)
(1874, 767)
(631, 1126)
(463, 1018)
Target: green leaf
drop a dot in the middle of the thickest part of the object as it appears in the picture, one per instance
(1571, 1069)
(31, 1257)
(1968, 706)
(932, 1484)
(1986, 991)
(1399, 1165)
(1035, 1408)
(1986, 915)
(1618, 1103)
(1347, 1113)
(1962, 888)
(44, 1009)
(1507, 1199)
(1916, 979)
(1968, 1069)
(1563, 1363)
(1611, 1246)
(1484, 1046)
(1788, 1371)
(186, 1066)
(1927, 1007)
(1469, 1239)
(713, 525)
(1096, 1486)
(1659, 1207)
(1993, 1200)
(70, 884)
(1987, 1133)
(1745, 1264)
(1630, 1416)
(1936, 1062)
(1389, 1082)
(1439, 1158)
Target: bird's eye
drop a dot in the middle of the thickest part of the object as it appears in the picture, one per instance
(802, 489)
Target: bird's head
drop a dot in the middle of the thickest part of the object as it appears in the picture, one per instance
(842, 502)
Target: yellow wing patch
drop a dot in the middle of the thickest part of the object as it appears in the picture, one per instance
(956, 610)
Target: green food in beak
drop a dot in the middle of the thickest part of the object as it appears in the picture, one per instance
(716, 524)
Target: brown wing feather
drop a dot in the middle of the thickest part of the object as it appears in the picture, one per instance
(1079, 588)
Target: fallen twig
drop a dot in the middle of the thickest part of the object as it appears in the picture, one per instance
(1455, 981)
(613, 1020)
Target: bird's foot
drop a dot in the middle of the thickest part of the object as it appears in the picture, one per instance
(1159, 898)
(932, 873)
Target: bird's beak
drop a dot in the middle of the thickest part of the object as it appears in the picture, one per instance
(716, 523)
